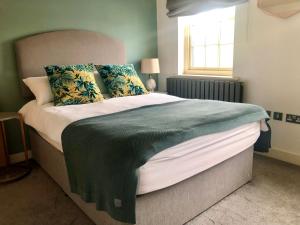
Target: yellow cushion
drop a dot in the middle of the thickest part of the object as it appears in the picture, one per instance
(73, 84)
(121, 80)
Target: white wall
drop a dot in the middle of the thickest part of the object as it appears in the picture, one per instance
(267, 59)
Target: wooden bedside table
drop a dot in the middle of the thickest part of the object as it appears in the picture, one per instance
(11, 172)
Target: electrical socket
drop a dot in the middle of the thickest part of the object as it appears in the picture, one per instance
(277, 116)
(290, 118)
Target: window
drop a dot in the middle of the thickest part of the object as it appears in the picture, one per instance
(209, 42)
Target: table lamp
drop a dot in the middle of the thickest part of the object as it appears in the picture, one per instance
(150, 66)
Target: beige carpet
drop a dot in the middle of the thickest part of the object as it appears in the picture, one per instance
(272, 198)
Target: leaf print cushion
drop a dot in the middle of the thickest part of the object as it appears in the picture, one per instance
(121, 80)
(73, 84)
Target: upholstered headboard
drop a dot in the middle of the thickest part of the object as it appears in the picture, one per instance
(63, 48)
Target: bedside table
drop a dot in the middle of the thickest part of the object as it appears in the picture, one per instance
(11, 172)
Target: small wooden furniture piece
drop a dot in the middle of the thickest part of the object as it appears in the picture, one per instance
(11, 172)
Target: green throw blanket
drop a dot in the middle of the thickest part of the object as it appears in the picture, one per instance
(103, 153)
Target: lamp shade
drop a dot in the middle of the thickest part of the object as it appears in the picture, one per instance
(150, 66)
(280, 8)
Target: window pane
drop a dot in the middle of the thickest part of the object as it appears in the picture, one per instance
(212, 56)
(197, 36)
(198, 56)
(212, 34)
(212, 39)
(227, 32)
(226, 56)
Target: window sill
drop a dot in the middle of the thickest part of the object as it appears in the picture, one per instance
(209, 77)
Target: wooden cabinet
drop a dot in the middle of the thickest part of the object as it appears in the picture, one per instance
(3, 154)
(9, 172)
(4, 116)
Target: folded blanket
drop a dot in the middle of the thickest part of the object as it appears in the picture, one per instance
(103, 153)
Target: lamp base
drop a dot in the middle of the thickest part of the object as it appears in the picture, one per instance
(151, 84)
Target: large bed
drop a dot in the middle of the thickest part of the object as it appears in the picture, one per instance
(176, 184)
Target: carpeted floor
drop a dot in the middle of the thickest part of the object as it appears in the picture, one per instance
(272, 198)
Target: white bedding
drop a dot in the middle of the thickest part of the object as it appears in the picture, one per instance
(161, 170)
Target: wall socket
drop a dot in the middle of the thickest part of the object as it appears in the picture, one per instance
(290, 118)
(277, 116)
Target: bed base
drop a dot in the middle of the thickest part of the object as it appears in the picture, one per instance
(174, 205)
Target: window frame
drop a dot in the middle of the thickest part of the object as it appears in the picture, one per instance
(189, 70)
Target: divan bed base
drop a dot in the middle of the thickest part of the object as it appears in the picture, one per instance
(174, 205)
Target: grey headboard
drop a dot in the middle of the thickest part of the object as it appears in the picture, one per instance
(63, 48)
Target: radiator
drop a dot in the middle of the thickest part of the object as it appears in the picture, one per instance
(223, 90)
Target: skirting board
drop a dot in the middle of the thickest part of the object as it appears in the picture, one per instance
(19, 157)
(283, 156)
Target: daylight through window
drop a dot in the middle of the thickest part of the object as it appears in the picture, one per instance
(209, 42)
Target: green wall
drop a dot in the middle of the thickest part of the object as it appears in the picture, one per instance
(131, 21)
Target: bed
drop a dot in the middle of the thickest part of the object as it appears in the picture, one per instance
(212, 166)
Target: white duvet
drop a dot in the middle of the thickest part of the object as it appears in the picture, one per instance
(161, 170)
(52, 120)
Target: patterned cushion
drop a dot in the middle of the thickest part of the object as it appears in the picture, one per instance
(121, 80)
(73, 84)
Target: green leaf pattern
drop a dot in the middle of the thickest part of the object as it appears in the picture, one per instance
(73, 84)
(121, 80)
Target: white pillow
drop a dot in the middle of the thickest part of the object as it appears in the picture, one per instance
(41, 89)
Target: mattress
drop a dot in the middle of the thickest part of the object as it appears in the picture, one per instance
(164, 169)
